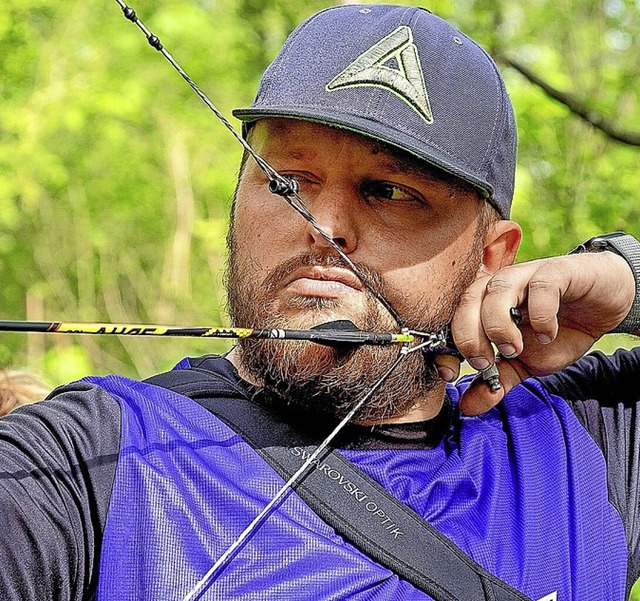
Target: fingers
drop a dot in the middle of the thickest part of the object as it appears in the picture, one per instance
(483, 317)
(484, 314)
(448, 367)
(567, 304)
(503, 291)
(543, 305)
(466, 327)
(479, 397)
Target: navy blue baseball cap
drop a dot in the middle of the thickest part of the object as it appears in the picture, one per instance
(402, 76)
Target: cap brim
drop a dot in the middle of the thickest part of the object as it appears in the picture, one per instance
(366, 127)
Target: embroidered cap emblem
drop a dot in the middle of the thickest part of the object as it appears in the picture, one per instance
(392, 64)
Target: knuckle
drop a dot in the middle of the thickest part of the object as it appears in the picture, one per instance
(542, 281)
(501, 336)
(465, 304)
(473, 293)
(495, 331)
(541, 319)
(497, 285)
(471, 347)
(466, 343)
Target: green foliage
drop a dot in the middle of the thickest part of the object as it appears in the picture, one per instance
(115, 180)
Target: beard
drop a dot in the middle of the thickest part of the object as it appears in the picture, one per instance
(327, 381)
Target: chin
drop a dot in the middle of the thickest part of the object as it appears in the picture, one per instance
(326, 381)
(287, 360)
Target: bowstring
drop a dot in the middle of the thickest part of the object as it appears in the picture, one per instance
(287, 189)
(279, 184)
(205, 582)
(300, 206)
(154, 42)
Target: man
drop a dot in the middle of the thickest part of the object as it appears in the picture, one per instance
(397, 133)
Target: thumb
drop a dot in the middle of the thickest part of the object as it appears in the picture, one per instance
(479, 397)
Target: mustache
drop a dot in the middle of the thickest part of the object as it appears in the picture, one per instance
(371, 279)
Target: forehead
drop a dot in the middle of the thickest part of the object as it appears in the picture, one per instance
(295, 137)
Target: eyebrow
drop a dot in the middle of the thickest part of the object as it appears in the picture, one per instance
(404, 163)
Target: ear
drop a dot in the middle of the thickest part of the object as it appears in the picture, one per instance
(500, 246)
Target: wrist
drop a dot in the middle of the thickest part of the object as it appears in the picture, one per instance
(627, 247)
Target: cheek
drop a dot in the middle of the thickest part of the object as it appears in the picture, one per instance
(423, 274)
(265, 211)
(252, 246)
(263, 226)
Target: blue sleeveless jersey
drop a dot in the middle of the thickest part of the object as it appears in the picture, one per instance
(521, 489)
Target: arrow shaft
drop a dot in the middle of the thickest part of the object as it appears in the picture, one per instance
(124, 329)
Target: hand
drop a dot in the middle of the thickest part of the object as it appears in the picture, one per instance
(567, 304)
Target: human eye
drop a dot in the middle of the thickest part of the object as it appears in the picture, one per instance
(380, 191)
(302, 179)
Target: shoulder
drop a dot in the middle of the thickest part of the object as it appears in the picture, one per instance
(531, 417)
(80, 416)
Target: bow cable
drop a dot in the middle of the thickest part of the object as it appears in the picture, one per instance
(154, 42)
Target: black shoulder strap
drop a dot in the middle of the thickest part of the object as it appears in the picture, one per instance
(356, 506)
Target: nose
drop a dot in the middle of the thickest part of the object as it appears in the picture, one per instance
(334, 209)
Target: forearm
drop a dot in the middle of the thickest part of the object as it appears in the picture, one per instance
(607, 379)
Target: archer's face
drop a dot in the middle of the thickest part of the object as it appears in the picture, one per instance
(410, 232)
(411, 235)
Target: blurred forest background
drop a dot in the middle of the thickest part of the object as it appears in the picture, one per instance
(115, 180)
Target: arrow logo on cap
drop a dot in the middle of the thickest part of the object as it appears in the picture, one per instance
(376, 67)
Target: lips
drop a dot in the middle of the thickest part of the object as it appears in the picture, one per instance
(329, 282)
